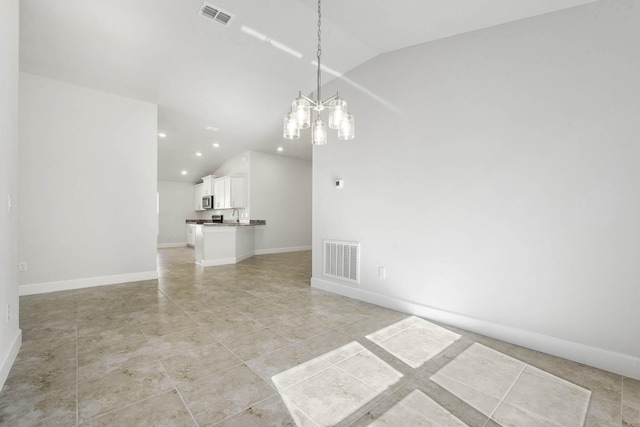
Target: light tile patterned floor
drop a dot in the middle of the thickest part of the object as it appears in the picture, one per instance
(201, 346)
(400, 339)
(417, 409)
(511, 392)
(329, 388)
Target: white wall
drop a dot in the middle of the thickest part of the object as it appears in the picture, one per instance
(176, 205)
(281, 194)
(10, 336)
(495, 176)
(88, 181)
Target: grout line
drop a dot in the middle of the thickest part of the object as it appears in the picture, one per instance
(175, 387)
(242, 410)
(128, 405)
(367, 384)
(294, 343)
(508, 391)
(331, 365)
(535, 414)
(621, 399)
(216, 338)
(77, 372)
(298, 408)
(525, 409)
(264, 400)
(530, 359)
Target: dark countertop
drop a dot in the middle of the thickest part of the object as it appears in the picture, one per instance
(227, 223)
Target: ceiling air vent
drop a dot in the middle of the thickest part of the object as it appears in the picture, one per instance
(223, 18)
(213, 12)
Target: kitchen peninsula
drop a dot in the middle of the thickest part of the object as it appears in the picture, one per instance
(224, 243)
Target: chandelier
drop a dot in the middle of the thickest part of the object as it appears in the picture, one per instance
(301, 110)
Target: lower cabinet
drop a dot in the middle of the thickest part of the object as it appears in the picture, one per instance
(191, 235)
(222, 245)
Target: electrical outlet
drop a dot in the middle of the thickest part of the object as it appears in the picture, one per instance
(23, 266)
(382, 273)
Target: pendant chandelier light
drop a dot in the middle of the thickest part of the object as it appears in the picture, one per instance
(301, 110)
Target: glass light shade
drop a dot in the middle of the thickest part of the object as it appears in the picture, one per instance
(291, 130)
(338, 114)
(319, 132)
(302, 110)
(347, 129)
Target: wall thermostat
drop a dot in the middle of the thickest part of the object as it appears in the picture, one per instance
(339, 183)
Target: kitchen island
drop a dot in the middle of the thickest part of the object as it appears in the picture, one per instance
(225, 243)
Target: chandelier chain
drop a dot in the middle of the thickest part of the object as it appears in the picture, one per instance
(319, 30)
(319, 52)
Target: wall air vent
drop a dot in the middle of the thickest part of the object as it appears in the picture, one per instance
(342, 260)
(213, 12)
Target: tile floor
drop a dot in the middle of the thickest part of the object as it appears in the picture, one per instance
(253, 345)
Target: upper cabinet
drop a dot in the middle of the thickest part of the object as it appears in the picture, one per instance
(218, 193)
(198, 194)
(229, 192)
(236, 195)
(207, 185)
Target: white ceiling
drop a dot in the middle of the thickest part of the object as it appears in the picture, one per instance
(201, 73)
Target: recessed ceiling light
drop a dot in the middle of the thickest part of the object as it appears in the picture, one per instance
(216, 145)
(212, 128)
(162, 134)
(184, 172)
(280, 149)
(198, 154)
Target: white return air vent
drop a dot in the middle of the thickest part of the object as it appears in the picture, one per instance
(342, 260)
(214, 12)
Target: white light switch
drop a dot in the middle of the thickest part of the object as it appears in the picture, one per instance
(9, 203)
(382, 273)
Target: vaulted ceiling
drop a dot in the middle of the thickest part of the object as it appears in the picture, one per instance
(238, 78)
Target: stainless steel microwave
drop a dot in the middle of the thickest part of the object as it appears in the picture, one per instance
(207, 202)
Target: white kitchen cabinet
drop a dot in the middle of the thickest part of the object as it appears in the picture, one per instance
(218, 193)
(229, 192)
(198, 194)
(236, 192)
(191, 235)
(221, 245)
(207, 185)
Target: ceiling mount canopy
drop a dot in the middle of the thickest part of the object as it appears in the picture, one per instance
(301, 109)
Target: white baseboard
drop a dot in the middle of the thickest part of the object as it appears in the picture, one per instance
(87, 282)
(244, 256)
(224, 261)
(216, 262)
(619, 363)
(172, 245)
(10, 357)
(282, 250)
